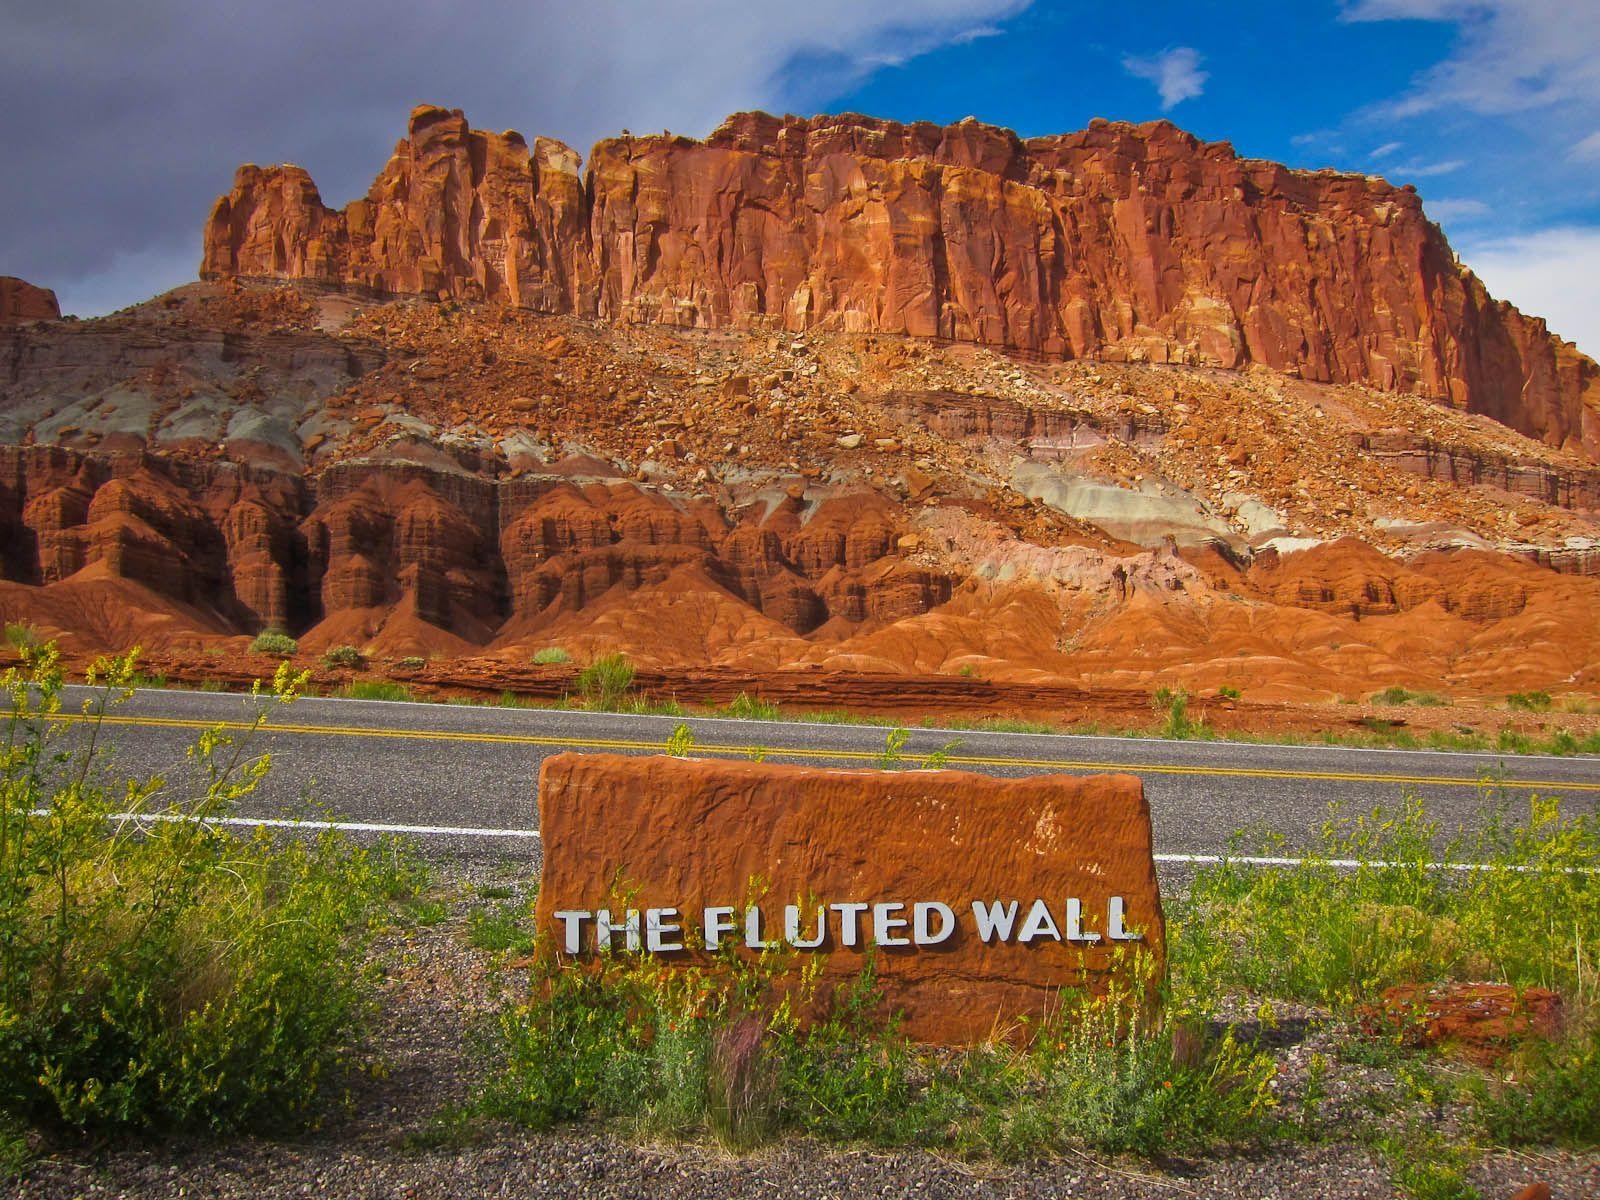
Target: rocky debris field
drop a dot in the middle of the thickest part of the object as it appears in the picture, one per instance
(472, 483)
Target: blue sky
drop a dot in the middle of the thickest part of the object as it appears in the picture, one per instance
(127, 121)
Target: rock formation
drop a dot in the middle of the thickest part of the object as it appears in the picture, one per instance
(1120, 242)
(22, 301)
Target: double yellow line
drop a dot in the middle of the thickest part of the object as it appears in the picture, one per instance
(850, 756)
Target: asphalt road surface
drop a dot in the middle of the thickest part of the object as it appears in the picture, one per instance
(469, 775)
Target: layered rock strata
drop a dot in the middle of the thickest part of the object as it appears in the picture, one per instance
(249, 549)
(1123, 242)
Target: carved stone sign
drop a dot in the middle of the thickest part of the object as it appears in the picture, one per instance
(984, 897)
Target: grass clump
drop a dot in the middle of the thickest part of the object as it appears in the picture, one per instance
(375, 689)
(1397, 696)
(604, 683)
(22, 636)
(273, 642)
(550, 656)
(748, 708)
(158, 971)
(347, 657)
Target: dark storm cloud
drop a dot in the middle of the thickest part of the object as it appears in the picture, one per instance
(125, 121)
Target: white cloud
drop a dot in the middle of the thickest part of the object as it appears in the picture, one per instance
(1446, 211)
(1587, 150)
(1554, 274)
(1425, 170)
(1176, 74)
(1512, 55)
(132, 118)
(1386, 149)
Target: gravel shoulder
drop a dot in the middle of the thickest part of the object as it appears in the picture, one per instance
(437, 989)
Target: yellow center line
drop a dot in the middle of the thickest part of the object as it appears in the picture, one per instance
(829, 755)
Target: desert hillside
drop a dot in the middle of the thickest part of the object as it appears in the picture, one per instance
(1107, 411)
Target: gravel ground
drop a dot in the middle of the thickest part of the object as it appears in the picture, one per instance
(380, 1148)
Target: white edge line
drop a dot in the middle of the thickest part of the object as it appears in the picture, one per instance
(294, 823)
(469, 831)
(1351, 864)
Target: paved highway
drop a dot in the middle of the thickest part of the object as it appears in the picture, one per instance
(461, 768)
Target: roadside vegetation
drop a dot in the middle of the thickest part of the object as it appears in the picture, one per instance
(1272, 1028)
(162, 973)
(158, 971)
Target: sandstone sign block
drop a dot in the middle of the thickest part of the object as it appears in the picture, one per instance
(980, 899)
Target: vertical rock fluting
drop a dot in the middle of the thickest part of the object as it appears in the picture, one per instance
(1133, 243)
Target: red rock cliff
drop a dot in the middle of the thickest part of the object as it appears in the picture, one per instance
(1120, 242)
(22, 301)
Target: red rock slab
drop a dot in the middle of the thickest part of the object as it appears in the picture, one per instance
(1480, 1021)
(631, 835)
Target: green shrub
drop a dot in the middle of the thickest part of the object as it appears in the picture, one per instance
(1552, 1095)
(747, 709)
(1424, 1165)
(1529, 701)
(342, 657)
(681, 742)
(604, 683)
(1226, 692)
(272, 642)
(1173, 704)
(162, 972)
(893, 757)
(412, 662)
(551, 656)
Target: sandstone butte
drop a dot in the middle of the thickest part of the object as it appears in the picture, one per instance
(623, 833)
(1120, 242)
(22, 301)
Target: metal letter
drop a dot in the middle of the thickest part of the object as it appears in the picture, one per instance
(752, 929)
(1114, 927)
(656, 928)
(604, 929)
(791, 927)
(994, 920)
(1039, 924)
(849, 919)
(882, 923)
(1075, 931)
(920, 912)
(572, 937)
(718, 921)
